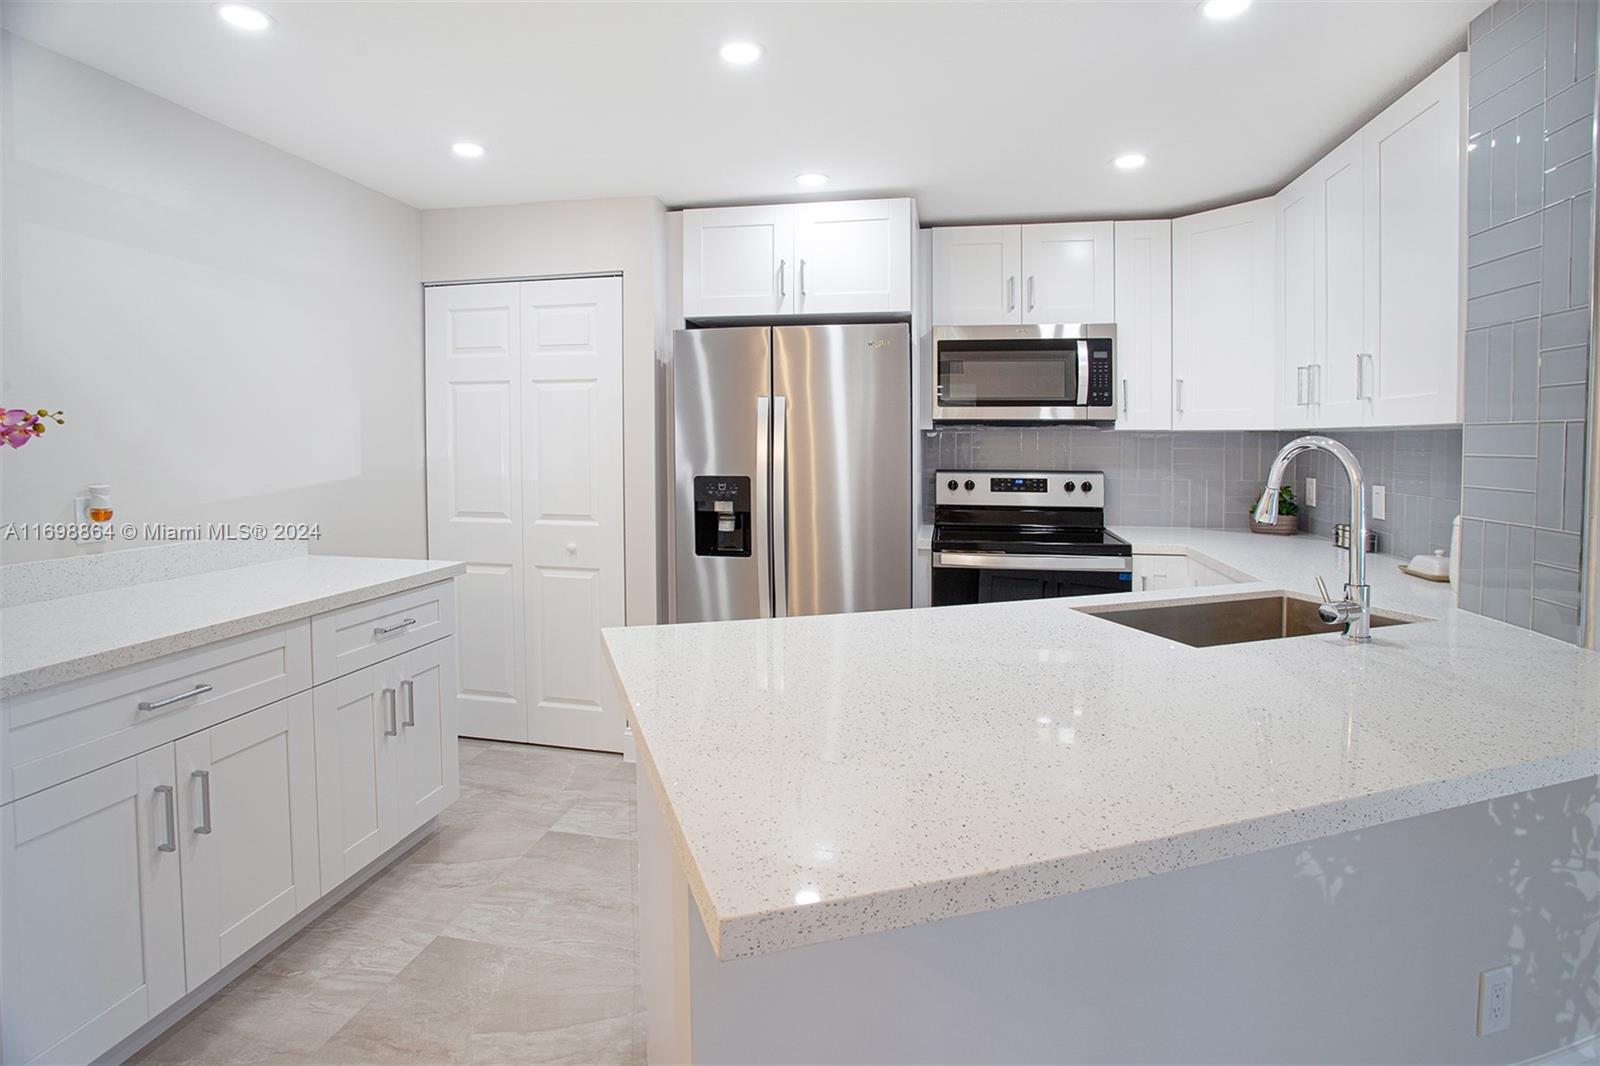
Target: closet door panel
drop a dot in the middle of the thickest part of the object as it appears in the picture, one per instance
(474, 464)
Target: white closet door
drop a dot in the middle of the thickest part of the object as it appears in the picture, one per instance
(572, 505)
(474, 386)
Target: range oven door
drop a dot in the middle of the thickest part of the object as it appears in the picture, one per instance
(1024, 373)
(986, 577)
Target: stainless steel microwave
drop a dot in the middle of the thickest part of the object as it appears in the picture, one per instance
(1059, 373)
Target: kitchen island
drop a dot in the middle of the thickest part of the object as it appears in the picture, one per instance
(1020, 832)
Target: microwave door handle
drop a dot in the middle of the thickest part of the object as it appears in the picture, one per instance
(762, 519)
(1083, 374)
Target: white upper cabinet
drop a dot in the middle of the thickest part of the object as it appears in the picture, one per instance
(1224, 318)
(1051, 272)
(1340, 287)
(1298, 212)
(1415, 237)
(846, 257)
(738, 261)
(1368, 278)
(1068, 273)
(976, 271)
(853, 256)
(1144, 325)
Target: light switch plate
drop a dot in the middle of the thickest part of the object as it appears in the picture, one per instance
(1380, 502)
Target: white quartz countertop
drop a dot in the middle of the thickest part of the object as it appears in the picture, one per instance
(833, 776)
(51, 641)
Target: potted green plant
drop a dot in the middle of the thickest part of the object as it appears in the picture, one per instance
(1288, 516)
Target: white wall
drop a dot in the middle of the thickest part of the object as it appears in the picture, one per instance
(233, 332)
(624, 236)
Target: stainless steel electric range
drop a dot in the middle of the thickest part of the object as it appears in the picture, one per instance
(1009, 535)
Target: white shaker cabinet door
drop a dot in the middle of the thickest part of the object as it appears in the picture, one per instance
(739, 261)
(977, 272)
(472, 367)
(1299, 216)
(1069, 272)
(1144, 325)
(1415, 235)
(853, 256)
(1341, 288)
(572, 506)
(247, 822)
(91, 921)
(357, 727)
(1224, 318)
(427, 764)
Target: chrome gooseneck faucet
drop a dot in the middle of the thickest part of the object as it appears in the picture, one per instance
(1355, 610)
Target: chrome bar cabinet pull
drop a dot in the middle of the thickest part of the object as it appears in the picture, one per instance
(383, 631)
(156, 705)
(410, 690)
(204, 777)
(393, 728)
(167, 792)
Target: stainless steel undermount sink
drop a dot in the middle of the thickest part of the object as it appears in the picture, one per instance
(1207, 624)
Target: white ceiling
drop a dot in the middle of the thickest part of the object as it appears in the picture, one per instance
(980, 110)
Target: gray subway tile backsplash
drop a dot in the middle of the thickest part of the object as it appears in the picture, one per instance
(1212, 480)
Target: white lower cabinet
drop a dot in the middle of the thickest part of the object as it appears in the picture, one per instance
(127, 887)
(387, 757)
(91, 942)
(247, 819)
(1155, 573)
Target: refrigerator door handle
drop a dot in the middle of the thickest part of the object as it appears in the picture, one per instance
(762, 518)
(780, 506)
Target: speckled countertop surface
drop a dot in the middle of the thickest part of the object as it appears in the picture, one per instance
(833, 776)
(56, 640)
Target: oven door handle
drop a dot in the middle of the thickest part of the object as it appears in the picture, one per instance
(1008, 561)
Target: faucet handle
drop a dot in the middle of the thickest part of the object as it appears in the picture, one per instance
(1322, 587)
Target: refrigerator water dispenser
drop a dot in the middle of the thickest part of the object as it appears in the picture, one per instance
(722, 516)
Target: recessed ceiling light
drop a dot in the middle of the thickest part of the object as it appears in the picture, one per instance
(1223, 9)
(740, 53)
(467, 150)
(244, 17)
(811, 181)
(1131, 161)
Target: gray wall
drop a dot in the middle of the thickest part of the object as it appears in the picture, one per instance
(1529, 202)
(1211, 480)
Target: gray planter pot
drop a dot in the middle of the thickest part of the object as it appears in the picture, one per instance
(1288, 525)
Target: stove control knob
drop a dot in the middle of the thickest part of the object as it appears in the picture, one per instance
(970, 485)
(952, 484)
(1071, 486)
(1087, 487)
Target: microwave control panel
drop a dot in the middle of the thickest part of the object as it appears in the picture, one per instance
(1100, 386)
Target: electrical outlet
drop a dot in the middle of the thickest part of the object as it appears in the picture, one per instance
(1311, 492)
(1494, 1000)
(1380, 502)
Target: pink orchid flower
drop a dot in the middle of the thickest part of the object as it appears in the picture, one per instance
(18, 427)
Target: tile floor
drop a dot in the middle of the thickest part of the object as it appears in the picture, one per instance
(507, 936)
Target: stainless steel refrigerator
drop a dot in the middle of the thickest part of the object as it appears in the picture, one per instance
(792, 468)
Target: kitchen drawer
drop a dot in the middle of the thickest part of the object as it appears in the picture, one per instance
(356, 637)
(67, 730)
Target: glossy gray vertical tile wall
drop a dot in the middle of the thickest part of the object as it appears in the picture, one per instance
(1529, 218)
